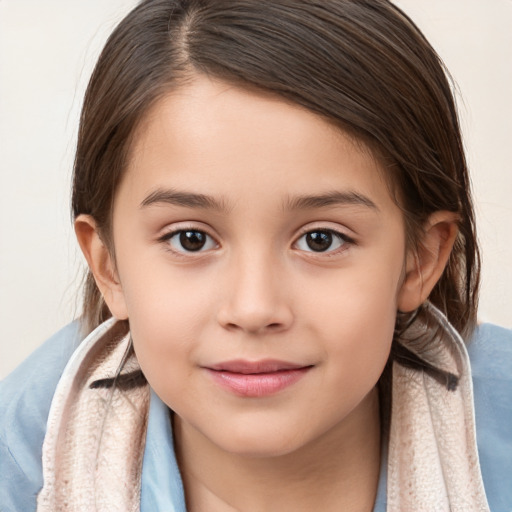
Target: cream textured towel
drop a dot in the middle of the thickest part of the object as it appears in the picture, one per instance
(93, 449)
(94, 445)
(433, 460)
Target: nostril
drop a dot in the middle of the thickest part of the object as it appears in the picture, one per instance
(275, 326)
(254, 318)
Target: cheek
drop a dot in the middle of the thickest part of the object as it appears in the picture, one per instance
(355, 313)
(357, 350)
(167, 314)
(162, 298)
(360, 333)
(362, 296)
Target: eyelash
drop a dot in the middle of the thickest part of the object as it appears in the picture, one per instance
(166, 239)
(344, 240)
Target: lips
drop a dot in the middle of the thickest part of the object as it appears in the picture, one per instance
(256, 379)
(254, 367)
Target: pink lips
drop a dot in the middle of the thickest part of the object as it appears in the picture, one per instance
(258, 378)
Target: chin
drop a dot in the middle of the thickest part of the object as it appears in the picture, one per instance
(262, 448)
(259, 441)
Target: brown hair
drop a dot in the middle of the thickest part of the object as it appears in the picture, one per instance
(362, 64)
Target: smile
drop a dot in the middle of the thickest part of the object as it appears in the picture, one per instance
(256, 379)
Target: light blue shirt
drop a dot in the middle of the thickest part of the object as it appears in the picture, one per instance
(26, 394)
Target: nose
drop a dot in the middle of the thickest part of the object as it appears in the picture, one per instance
(256, 297)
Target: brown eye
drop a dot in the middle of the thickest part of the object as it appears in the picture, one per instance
(192, 240)
(322, 240)
(319, 241)
(189, 240)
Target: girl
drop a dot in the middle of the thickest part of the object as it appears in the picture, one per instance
(273, 201)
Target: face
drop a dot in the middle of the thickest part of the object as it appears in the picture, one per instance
(259, 257)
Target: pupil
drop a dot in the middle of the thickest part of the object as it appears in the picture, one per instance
(192, 240)
(319, 241)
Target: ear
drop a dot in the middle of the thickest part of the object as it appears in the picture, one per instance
(426, 263)
(101, 264)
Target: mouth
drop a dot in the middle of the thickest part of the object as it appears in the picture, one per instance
(256, 379)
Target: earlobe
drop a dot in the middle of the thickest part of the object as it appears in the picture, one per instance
(101, 264)
(426, 263)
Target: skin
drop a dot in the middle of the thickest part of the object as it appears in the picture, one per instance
(257, 290)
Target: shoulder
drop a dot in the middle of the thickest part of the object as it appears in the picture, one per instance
(491, 347)
(25, 398)
(490, 352)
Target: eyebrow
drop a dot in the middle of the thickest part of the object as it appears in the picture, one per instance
(182, 198)
(333, 198)
(202, 201)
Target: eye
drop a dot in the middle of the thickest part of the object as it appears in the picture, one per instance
(321, 240)
(189, 240)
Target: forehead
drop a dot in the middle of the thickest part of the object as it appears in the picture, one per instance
(217, 138)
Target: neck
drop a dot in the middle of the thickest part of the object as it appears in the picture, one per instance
(338, 471)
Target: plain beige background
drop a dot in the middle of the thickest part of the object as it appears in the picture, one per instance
(47, 50)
